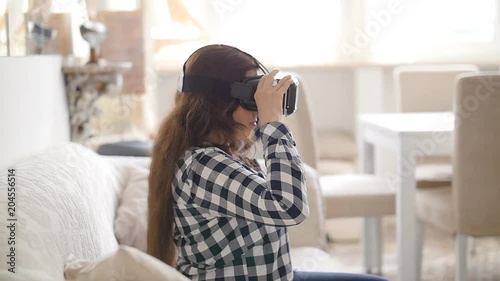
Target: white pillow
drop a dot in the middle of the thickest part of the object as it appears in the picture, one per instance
(67, 197)
(131, 217)
(125, 264)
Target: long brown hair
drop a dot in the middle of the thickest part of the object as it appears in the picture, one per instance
(194, 117)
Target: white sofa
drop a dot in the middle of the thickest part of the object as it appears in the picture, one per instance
(66, 201)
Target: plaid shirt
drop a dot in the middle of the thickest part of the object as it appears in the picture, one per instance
(230, 221)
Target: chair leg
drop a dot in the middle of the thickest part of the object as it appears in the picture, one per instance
(472, 246)
(420, 247)
(461, 257)
(372, 245)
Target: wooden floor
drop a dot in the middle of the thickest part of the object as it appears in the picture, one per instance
(439, 258)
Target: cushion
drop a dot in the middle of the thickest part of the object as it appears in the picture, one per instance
(356, 195)
(433, 175)
(131, 217)
(127, 148)
(339, 145)
(67, 198)
(125, 264)
(435, 206)
(336, 167)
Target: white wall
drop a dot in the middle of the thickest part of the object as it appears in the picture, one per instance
(33, 107)
(167, 85)
(331, 92)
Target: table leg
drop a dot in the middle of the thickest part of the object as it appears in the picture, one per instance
(367, 158)
(371, 238)
(372, 245)
(406, 219)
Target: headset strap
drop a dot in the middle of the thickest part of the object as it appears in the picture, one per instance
(203, 84)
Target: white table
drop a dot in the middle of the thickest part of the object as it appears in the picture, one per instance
(409, 135)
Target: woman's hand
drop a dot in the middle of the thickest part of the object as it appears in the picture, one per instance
(269, 97)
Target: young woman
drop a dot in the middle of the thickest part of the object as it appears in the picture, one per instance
(212, 213)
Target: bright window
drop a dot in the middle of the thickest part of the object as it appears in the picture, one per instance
(277, 32)
(418, 27)
(284, 32)
(318, 32)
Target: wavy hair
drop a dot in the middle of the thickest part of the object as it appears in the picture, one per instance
(195, 116)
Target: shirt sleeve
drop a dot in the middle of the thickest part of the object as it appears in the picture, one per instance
(224, 187)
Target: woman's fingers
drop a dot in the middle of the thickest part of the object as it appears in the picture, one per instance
(269, 96)
(267, 80)
(284, 84)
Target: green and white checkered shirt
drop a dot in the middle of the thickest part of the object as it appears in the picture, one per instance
(230, 219)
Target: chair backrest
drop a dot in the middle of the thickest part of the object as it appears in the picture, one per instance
(476, 159)
(302, 126)
(427, 88)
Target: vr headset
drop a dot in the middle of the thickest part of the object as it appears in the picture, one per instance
(244, 90)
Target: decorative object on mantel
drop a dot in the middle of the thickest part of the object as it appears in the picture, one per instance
(94, 33)
(84, 85)
(38, 37)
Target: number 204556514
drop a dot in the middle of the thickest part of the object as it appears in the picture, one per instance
(11, 192)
